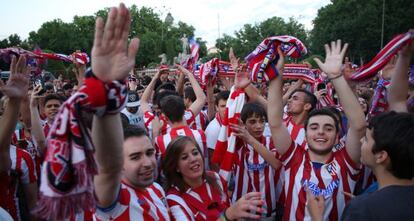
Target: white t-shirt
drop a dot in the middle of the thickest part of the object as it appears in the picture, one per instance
(212, 133)
(134, 119)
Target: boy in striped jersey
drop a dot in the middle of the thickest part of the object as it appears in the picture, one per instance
(124, 185)
(325, 173)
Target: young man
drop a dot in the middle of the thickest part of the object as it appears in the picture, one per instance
(387, 149)
(132, 110)
(299, 103)
(52, 104)
(252, 172)
(124, 187)
(326, 173)
(213, 128)
(173, 108)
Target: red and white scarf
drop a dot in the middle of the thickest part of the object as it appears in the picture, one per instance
(262, 61)
(299, 71)
(67, 173)
(225, 150)
(381, 59)
(207, 71)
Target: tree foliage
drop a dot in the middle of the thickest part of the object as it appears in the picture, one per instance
(360, 23)
(248, 37)
(156, 36)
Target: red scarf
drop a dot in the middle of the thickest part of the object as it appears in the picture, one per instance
(67, 173)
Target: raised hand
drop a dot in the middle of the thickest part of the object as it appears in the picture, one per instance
(18, 83)
(242, 74)
(334, 57)
(34, 96)
(112, 58)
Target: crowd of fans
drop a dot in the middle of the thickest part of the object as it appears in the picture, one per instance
(295, 157)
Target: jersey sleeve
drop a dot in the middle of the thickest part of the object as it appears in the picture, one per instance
(178, 208)
(189, 117)
(294, 152)
(27, 168)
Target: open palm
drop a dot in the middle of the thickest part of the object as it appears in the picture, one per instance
(112, 58)
(18, 82)
(334, 57)
(242, 74)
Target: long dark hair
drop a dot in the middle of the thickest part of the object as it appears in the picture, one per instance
(170, 164)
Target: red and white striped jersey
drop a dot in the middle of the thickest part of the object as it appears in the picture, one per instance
(149, 117)
(183, 206)
(162, 141)
(135, 204)
(46, 128)
(21, 140)
(329, 180)
(297, 132)
(200, 121)
(22, 171)
(253, 174)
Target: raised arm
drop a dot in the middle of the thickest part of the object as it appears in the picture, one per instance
(112, 59)
(146, 96)
(15, 89)
(198, 104)
(251, 91)
(398, 90)
(37, 130)
(353, 111)
(280, 134)
(293, 87)
(180, 84)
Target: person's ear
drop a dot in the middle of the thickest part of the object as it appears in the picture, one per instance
(381, 157)
(307, 106)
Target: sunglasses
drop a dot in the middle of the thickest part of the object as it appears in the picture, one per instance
(132, 79)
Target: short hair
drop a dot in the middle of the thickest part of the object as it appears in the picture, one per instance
(139, 87)
(322, 112)
(158, 96)
(67, 86)
(393, 133)
(134, 131)
(189, 94)
(251, 109)
(166, 86)
(53, 97)
(222, 95)
(173, 107)
(309, 97)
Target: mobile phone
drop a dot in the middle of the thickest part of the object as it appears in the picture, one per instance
(321, 86)
(37, 82)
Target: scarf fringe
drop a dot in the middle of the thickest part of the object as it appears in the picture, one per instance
(52, 208)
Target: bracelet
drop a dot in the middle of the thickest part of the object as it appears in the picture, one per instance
(337, 76)
(223, 216)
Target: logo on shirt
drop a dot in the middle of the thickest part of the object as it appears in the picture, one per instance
(256, 166)
(316, 191)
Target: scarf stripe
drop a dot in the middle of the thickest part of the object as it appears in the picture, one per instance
(224, 153)
(262, 61)
(381, 59)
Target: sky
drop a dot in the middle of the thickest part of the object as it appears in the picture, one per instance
(206, 16)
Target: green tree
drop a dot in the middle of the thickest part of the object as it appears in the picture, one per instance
(359, 23)
(247, 38)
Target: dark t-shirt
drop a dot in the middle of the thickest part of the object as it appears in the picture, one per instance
(390, 203)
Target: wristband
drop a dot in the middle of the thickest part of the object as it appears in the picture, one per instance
(337, 76)
(223, 216)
